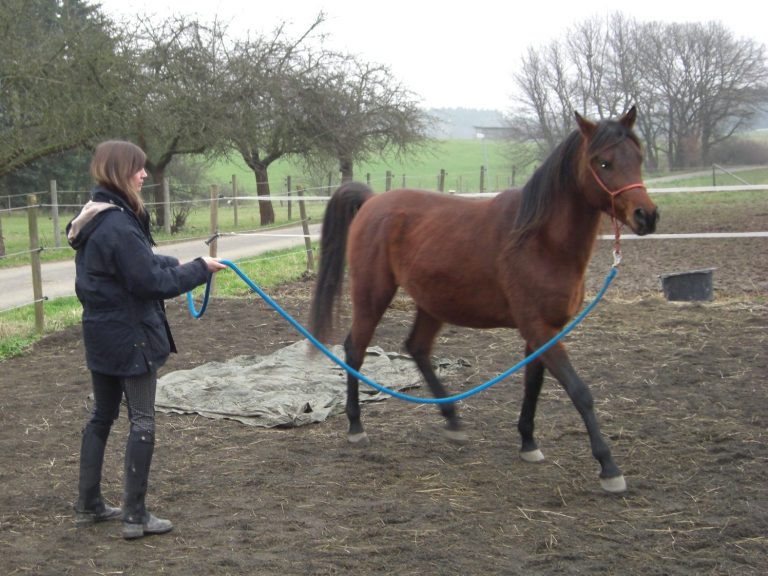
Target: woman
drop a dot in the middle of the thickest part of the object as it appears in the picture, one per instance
(121, 285)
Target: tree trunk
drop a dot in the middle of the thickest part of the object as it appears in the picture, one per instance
(266, 210)
(158, 174)
(347, 172)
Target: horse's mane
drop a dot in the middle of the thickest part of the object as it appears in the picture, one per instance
(559, 173)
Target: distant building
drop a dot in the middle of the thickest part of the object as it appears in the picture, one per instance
(493, 132)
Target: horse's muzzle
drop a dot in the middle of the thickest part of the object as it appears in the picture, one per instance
(645, 221)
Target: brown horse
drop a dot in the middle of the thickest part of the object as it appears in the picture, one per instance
(516, 260)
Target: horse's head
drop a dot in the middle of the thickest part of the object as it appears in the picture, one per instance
(612, 172)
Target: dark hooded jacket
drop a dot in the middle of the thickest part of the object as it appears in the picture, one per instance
(121, 284)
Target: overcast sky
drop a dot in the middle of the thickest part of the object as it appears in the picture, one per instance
(452, 55)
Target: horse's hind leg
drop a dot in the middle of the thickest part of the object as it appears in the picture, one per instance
(419, 346)
(354, 359)
(369, 305)
(534, 377)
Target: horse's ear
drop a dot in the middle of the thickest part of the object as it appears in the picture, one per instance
(587, 128)
(628, 120)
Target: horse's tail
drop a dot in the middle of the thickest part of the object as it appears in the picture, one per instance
(341, 209)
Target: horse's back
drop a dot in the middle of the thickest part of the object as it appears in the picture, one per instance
(412, 221)
(427, 208)
(415, 196)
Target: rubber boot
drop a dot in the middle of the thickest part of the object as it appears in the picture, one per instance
(137, 522)
(90, 507)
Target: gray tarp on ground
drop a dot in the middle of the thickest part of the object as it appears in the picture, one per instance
(287, 388)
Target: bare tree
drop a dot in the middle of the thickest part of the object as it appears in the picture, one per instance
(733, 82)
(587, 50)
(293, 98)
(627, 50)
(174, 98)
(543, 114)
(695, 84)
(265, 104)
(710, 84)
(621, 80)
(355, 109)
(59, 77)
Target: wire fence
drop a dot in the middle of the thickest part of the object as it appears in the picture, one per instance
(481, 180)
(33, 210)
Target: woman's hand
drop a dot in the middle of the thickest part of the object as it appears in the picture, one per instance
(213, 264)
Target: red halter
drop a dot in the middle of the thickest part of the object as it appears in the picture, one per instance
(613, 194)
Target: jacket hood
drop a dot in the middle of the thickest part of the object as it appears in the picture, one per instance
(102, 200)
(83, 225)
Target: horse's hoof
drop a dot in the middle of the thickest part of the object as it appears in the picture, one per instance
(532, 456)
(456, 436)
(614, 485)
(358, 439)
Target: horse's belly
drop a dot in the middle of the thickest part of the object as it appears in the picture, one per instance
(470, 309)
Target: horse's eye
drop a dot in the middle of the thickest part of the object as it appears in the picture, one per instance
(604, 164)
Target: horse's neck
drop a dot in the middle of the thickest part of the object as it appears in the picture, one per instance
(573, 228)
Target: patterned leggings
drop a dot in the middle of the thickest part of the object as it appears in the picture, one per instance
(139, 395)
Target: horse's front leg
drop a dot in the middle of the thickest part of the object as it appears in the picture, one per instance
(534, 377)
(557, 362)
(419, 346)
(454, 429)
(354, 358)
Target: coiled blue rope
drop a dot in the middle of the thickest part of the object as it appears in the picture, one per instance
(394, 393)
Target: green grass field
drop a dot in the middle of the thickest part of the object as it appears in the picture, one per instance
(460, 159)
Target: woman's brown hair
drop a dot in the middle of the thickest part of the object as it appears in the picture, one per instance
(114, 163)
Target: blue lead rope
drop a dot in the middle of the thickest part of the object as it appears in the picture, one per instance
(568, 328)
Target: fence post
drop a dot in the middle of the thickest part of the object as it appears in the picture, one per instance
(482, 179)
(288, 188)
(305, 228)
(388, 181)
(441, 181)
(34, 248)
(166, 206)
(213, 246)
(234, 196)
(214, 219)
(55, 213)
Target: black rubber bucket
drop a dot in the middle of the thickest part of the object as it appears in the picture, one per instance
(688, 286)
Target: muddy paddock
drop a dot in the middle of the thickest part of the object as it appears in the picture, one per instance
(680, 391)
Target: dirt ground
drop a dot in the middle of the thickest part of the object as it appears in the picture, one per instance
(680, 390)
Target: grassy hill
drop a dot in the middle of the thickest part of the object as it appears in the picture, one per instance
(461, 159)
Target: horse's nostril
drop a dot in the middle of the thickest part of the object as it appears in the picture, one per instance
(646, 221)
(653, 220)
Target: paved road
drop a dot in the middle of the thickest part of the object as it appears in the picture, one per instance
(59, 277)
